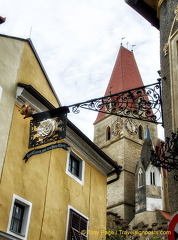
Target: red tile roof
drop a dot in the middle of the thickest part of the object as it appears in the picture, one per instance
(125, 76)
(165, 214)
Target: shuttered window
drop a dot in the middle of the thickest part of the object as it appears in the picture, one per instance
(77, 227)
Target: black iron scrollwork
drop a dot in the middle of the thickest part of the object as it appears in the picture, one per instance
(142, 103)
(166, 155)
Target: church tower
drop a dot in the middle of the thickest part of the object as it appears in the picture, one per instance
(151, 195)
(122, 138)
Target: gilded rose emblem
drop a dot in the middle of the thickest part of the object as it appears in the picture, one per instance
(47, 128)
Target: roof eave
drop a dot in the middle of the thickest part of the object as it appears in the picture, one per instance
(117, 169)
(145, 11)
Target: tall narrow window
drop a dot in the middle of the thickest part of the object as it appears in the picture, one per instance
(140, 132)
(75, 167)
(19, 218)
(140, 178)
(152, 177)
(108, 133)
(78, 226)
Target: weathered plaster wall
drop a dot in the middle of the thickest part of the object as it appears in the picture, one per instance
(11, 53)
(32, 74)
(44, 182)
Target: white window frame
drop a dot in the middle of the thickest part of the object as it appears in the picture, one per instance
(79, 179)
(26, 217)
(68, 217)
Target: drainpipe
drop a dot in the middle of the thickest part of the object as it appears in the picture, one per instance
(117, 171)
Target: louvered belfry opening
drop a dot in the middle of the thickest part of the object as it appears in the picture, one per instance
(77, 226)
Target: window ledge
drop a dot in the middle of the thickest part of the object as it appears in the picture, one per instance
(8, 236)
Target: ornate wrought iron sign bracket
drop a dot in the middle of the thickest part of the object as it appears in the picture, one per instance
(166, 155)
(142, 103)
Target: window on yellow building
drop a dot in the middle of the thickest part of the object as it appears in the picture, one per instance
(75, 167)
(78, 226)
(19, 218)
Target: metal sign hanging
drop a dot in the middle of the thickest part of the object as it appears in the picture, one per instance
(48, 126)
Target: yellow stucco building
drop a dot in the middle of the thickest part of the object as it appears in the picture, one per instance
(58, 191)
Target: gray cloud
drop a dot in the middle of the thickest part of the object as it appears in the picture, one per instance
(78, 42)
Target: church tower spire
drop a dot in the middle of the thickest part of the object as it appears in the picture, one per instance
(125, 75)
(122, 138)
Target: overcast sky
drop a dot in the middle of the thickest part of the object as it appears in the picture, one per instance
(78, 42)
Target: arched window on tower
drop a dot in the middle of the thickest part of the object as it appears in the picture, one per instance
(108, 133)
(140, 132)
(152, 176)
(140, 178)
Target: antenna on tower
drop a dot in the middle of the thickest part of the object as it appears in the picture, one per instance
(132, 47)
(121, 40)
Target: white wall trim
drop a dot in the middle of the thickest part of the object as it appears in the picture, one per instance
(82, 167)
(26, 218)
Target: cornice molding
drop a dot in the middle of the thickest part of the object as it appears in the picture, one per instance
(23, 96)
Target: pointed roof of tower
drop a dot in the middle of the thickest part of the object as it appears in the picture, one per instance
(146, 152)
(147, 133)
(125, 76)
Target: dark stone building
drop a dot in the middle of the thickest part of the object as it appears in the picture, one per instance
(163, 14)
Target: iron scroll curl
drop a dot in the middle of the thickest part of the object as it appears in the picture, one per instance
(142, 103)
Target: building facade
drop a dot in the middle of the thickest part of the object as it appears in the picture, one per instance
(163, 14)
(151, 194)
(53, 179)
